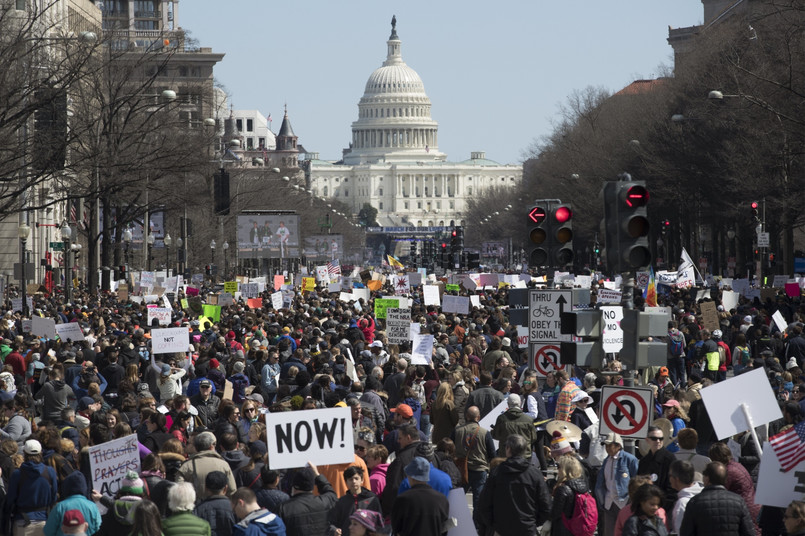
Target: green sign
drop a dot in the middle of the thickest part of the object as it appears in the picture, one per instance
(57, 246)
(231, 287)
(381, 304)
(450, 288)
(213, 312)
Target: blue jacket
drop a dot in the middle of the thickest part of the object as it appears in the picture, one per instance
(75, 489)
(439, 480)
(31, 492)
(258, 523)
(625, 469)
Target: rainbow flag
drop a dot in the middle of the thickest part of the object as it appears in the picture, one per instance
(650, 292)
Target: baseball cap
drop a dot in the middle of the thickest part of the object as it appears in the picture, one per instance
(73, 518)
(404, 410)
(663, 371)
(32, 446)
(205, 383)
(672, 404)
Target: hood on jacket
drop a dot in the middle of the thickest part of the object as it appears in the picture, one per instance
(578, 485)
(380, 469)
(123, 510)
(513, 413)
(58, 385)
(515, 465)
(690, 491)
(235, 456)
(74, 484)
(34, 469)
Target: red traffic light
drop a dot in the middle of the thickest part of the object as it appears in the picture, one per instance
(537, 214)
(454, 233)
(563, 214)
(637, 196)
(444, 245)
(666, 223)
(754, 205)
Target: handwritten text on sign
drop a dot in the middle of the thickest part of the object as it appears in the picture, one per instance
(110, 461)
(170, 340)
(323, 436)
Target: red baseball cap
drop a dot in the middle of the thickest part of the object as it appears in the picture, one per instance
(403, 410)
(73, 518)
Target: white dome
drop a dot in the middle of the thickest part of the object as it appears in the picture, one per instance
(397, 78)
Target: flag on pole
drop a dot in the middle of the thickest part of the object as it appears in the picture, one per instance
(686, 260)
(393, 261)
(789, 446)
(650, 292)
(74, 211)
(334, 268)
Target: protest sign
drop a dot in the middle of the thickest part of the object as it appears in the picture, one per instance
(346, 297)
(401, 285)
(398, 325)
(460, 510)
(279, 280)
(779, 320)
(276, 300)
(320, 435)
(774, 486)
(123, 293)
(779, 281)
(612, 336)
(475, 300)
(381, 304)
(488, 422)
(250, 290)
(191, 291)
(162, 315)
(43, 327)
(609, 296)
(109, 462)
(231, 287)
(414, 279)
(212, 311)
(729, 299)
(792, 290)
(225, 299)
(256, 303)
(724, 403)
(422, 353)
(70, 330)
(431, 295)
(456, 304)
(361, 294)
(308, 284)
(170, 340)
(710, 316)
(16, 303)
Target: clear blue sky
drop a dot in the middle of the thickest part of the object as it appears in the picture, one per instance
(495, 72)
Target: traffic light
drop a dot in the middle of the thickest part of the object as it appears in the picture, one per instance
(122, 271)
(538, 235)
(563, 234)
(666, 227)
(454, 241)
(412, 248)
(444, 256)
(626, 225)
(221, 191)
(208, 269)
(459, 238)
(755, 214)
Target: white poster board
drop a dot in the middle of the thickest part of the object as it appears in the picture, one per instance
(323, 436)
(170, 340)
(456, 304)
(398, 325)
(70, 330)
(460, 510)
(729, 299)
(43, 327)
(276, 300)
(612, 337)
(431, 295)
(109, 462)
(723, 403)
(162, 314)
(605, 295)
(779, 320)
(361, 293)
(422, 353)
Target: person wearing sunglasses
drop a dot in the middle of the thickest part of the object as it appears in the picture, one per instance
(657, 462)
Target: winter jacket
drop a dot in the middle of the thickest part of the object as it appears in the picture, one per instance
(739, 481)
(171, 386)
(18, 429)
(564, 500)
(207, 410)
(717, 512)
(513, 421)
(438, 480)
(420, 511)
(377, 478)
(32, 489)
(260, 523)
(640, 526)
(75, 491)
(683, 497)
(196, 469)
(185, 524)
(271, 499)
(515, 499)
(485, 398)
(657, 464)
(120, 517)
(305, 514)
(55, 396)
(346, 505)
(173, 462)
(395, 475)
(236, 459)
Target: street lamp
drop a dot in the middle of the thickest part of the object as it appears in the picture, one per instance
(66, 233)
(180, 252)
(150, 241)
(212, 251)
(127, 241)
(23, 232)
(167, 241)
(226, 259)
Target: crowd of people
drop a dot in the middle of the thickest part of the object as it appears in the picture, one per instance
(199, 421)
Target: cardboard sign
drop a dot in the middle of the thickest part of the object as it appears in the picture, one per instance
(123, 293)
(723, 403)
(229, 390)
(162, 315)
(170, 340)
(71, 331)
(422, 353)
(43, 327)
(231, 287)
(398, 325)
(381, 304)
(710, 316)
(110, 461)
(320, 435)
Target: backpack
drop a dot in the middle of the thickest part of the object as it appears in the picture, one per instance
(239, 385)
(677, 348)
(746, 357)
(419, 389)
(584, 520)
(722, 355)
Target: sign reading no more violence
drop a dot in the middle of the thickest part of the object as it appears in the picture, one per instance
(626, 411)
(320, 435)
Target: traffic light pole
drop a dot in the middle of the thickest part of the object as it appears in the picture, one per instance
(627, 301)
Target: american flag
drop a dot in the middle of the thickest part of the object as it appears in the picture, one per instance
(789, 446)
(73, 210)
(334, 268)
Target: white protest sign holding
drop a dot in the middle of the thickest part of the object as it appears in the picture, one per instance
(779, 320)
(70, 330)
(584, 281)
(401, 285)
(109, 462)
(423, 350)
(780, 281)
(398, 325)
(414, 330)
(414, 279)
(774, 487)
(475, 300)
(276, 300)
(729, 299)
(489, 419)
(334, 287)
(320, 435)
(43, 327)
(346, 297)
(606, 295)
(723, 403)
(455, 304)
(322, 274)
(361, 293)
(225, 299)
(431, 295)
(612, 337)
(16, 303)
(460, 510)
(162, 315)
(522, 336)
(170, 340)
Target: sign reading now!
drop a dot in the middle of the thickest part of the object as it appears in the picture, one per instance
(320, 435)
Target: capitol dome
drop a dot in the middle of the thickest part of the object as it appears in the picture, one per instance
(394, 122)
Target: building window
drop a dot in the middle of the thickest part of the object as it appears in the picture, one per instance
(380, 191)
(249, 144)
(346, 193)
(20, 5)
(239, 125)
(380, 205)
(438, 205)
(452, 205)
(250, 125)
(419, 205)
(469, 190)
(325, 192)
(261, 142)
(406, 205)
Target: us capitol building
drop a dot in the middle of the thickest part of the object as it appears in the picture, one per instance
(394, 163)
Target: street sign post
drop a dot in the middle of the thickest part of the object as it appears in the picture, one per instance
(626, 411)
(545, 308)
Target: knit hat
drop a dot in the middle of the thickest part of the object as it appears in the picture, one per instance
(559, 444)
(303, 480)
(258, 448)
(230, 335)
(370, 519)
(238, 367)
(131, 484)
(214, 363)
(792, 362)
(73, 518)
(85, 402)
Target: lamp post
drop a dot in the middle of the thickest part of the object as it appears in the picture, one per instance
(66, 233)
(168, 240)
(180, 253)
(127, 241)
(75, 249)
(226, 259)
(23, 232)
(150, 244)
(212, 254)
